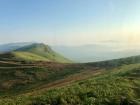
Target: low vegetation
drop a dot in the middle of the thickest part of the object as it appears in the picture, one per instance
(119, 86)
(23, 78)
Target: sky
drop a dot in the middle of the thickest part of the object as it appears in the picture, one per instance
(70, 22)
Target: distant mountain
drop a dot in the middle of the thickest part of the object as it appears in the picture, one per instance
(13, 46)
(95, 52)
(83, 53)
(33, 52)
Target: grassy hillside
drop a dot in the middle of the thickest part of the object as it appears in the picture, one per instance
(114, 82)
(116, 62)
(29, 56)
(118, 86)
(34, 52)
(19, 79)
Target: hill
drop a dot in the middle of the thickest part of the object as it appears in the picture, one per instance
(116, 62)
(34, 52)
(118, 85)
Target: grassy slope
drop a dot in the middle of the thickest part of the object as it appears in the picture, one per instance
(119, 82)
(29, 56)
(43, 51)
(119, 86)
(117, 62)
(34, 52)
(16, 79)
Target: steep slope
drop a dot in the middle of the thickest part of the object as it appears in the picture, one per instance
(34, 52)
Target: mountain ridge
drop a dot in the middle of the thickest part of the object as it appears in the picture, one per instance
(35, 52)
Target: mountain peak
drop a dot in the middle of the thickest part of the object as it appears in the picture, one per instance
(38, 52)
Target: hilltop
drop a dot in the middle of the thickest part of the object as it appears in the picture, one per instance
(33, 52)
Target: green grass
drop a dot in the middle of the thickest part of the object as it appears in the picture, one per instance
(111, 88)
(34, 52)
(119, 86)
(45, 52)
(21, 79)
(29, 56)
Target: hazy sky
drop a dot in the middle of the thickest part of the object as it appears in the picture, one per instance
(70, 22)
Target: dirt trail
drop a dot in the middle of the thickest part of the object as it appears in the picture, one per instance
(65, 82)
